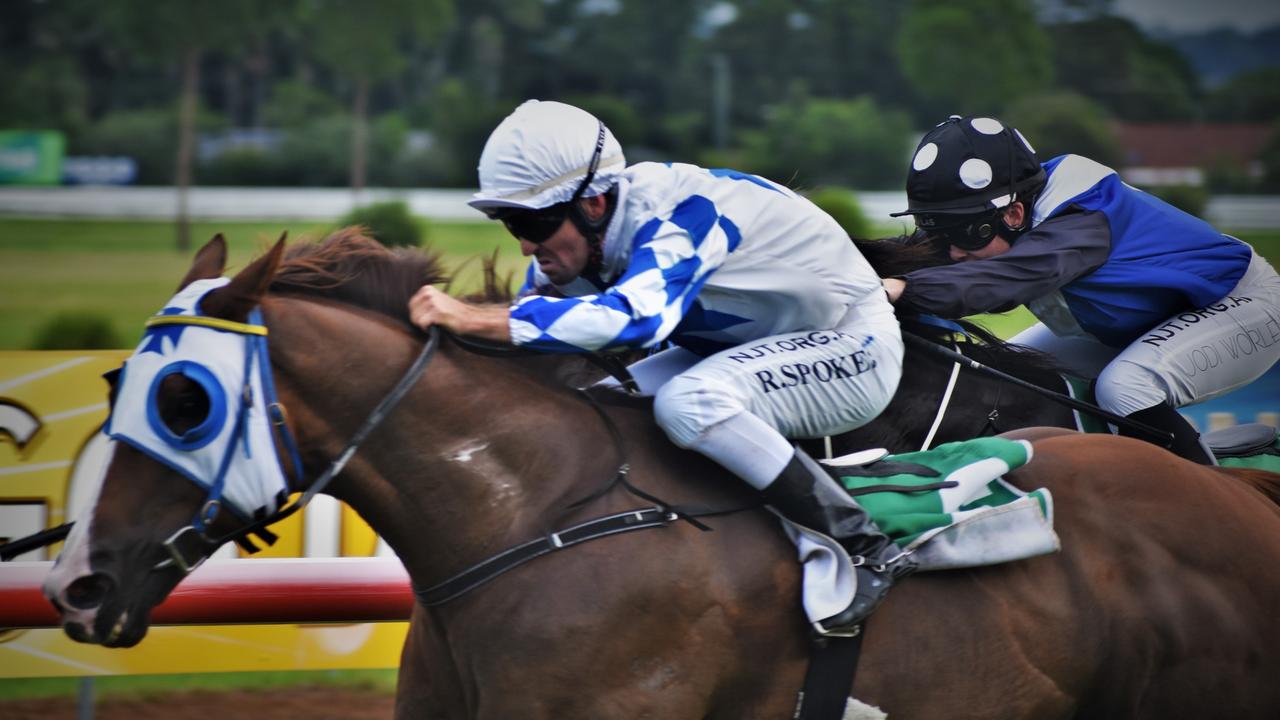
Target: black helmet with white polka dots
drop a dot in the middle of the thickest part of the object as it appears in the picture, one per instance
(970, 165)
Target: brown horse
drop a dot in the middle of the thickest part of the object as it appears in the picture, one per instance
(1163, 602)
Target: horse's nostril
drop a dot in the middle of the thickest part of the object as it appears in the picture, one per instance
(89, 591)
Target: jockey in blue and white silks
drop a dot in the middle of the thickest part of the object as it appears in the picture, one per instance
(716, 261)
(1158, 306)
(707, 260)
(776, 326)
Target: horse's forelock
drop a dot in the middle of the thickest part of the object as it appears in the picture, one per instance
(351, 267)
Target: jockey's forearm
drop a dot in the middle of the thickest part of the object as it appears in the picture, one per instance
(490, 322)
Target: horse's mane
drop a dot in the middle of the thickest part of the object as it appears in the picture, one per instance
(351, 267)
(894, 256)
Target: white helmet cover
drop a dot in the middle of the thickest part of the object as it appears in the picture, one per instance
(540, 153)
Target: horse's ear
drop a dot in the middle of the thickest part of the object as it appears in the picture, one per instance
(209, 263)
(245, 291)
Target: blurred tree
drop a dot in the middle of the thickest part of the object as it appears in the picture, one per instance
(294, 103)
(497, 48)
(51, 91)
(368, 43)
(461, 121)
(831, 142)
(645, 54)
(973, 58)
(623, 118)
(1138, 79)
(825, 48)
(1251, 96)
(1064, 122)
(43, 86)
(148, 135)
(181, 32)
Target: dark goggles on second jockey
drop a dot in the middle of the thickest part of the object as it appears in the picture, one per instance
(968, 232)
(537, 226)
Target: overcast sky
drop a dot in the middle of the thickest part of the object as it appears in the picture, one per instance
(1193, 15)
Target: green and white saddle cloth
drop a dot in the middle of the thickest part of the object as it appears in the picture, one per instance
(976, 518)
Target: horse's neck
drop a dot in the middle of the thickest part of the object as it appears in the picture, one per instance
(477, 460)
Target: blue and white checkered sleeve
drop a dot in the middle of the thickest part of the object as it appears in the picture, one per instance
(670, 261)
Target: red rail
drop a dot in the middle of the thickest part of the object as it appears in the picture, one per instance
(243, 592)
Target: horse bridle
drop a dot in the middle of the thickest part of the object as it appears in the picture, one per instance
(187, 548)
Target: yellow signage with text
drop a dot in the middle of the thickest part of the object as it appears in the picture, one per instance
(52, 407)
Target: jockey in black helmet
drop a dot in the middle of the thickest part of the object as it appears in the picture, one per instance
(1163, 310)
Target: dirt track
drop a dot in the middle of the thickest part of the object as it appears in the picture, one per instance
(312, 703)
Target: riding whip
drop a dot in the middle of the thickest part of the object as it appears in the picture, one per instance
(1161, 437)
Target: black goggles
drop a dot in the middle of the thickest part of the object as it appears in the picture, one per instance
(970, 233)
(537, 226)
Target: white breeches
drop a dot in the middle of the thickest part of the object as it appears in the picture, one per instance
(1191, 357)
(740, 405)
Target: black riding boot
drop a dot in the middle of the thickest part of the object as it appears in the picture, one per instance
(1186, 441)
(807, 494)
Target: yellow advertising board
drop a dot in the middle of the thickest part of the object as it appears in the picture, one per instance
(52, 407)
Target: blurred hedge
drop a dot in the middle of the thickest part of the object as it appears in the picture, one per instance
(842, 204)
(77, 331)
(390, 223)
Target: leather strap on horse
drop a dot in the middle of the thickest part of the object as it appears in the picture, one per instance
(828, 683)
(663, 514)
(481, 573)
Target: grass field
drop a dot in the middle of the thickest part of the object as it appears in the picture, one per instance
(125, 270)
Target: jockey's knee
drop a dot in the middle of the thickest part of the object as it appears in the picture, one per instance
(1125, 388)
(685, 407)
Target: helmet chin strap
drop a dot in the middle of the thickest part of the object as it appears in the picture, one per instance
(594, 230)
(1009, 232)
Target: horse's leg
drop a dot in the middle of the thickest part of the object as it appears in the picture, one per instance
(415, 680)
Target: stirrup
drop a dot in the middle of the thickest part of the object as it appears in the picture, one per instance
(857, 459)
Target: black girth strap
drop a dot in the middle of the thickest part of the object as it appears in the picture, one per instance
(828, 683)
(477, 575)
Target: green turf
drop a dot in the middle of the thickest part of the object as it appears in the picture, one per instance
(125, 270)
(143, 685)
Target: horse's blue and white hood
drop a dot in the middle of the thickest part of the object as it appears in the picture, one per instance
(231, 454)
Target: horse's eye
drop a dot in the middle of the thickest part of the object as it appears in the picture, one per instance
(182, 408)
(188, 406)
